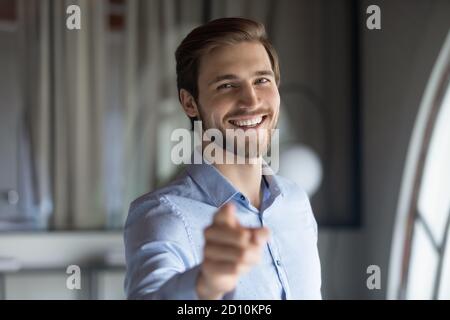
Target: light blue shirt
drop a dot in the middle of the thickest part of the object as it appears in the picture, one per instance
(164, 238)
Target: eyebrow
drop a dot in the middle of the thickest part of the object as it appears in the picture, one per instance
(234, 77)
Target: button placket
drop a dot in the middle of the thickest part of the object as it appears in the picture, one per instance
(279, 267)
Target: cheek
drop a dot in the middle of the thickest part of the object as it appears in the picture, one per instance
(222, 101)
(273, 99)
(220, 106)
(210, 107)
(214, 114)
(274, 103)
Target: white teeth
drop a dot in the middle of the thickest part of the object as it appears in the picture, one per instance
(249, 122)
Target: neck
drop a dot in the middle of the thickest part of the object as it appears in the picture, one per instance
(246, 178)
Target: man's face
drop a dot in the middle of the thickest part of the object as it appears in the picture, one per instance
(237, 90)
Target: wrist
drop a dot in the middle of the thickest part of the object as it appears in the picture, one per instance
(204, 291)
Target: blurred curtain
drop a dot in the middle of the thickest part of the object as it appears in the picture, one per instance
(34, 154)
(78, 91)
(63, 85)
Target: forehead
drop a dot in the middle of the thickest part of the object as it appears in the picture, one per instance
(241, 58)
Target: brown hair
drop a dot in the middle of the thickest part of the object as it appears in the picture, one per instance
(216, 33)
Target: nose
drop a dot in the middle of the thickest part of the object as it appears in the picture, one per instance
(248, 97)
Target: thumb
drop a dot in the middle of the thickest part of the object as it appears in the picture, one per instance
(226, 215)
(259, 235)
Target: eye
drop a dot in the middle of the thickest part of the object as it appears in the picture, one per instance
(225, 86)
(262, 80)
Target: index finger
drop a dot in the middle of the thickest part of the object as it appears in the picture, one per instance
(226, 215)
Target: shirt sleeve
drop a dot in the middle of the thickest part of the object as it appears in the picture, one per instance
(316, 294)
(160, 256)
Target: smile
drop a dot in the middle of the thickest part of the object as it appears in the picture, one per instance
(248, 123)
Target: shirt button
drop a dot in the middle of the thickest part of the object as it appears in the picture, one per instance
(279, 262)
(242, 197)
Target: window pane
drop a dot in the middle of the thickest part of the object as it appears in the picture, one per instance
(444, 290)
(423, 265)
(434, 199)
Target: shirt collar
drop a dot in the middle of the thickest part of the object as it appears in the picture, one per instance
(274, 185)
(218, 188)
(212, 182)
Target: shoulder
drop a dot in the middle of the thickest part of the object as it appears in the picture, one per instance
(294, 195)
(181, 187)
(158, 206)
(291, 190)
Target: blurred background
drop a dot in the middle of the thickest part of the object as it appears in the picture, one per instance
(86, 117)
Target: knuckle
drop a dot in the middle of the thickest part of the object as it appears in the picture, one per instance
(234, 268)
(206, 264)
(208, 232)
(207, 250)
(208, 267)
(242, 237)
(241, 254)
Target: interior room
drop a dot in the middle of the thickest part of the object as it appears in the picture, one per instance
(88, 108)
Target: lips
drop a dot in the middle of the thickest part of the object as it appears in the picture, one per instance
(249, 122)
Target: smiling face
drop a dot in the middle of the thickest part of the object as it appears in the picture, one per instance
(237, 90)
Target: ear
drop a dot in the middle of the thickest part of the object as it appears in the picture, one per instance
(188, 103)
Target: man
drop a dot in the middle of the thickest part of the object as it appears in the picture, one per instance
(225, 230)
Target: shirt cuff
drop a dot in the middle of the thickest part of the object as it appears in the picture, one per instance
(183, 286)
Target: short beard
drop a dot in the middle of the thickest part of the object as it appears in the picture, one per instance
(248, 152)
